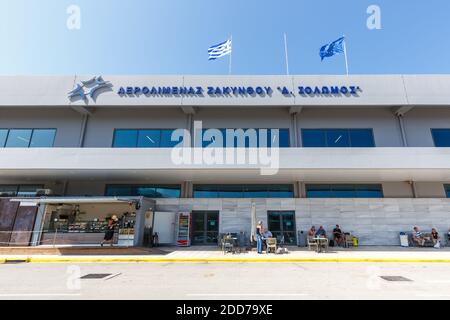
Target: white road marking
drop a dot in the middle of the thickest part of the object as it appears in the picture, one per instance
(438, 281)
(248, 294)
(112, 276)
(431, 295)
(38, 294)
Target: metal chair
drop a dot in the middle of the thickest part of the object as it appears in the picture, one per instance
(271, 244)
(348, 240)
(228, 244)
(311, 243)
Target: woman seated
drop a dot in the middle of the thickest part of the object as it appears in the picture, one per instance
(312, 232)
(434, 236)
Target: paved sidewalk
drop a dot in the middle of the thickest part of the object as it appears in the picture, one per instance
(213, 254)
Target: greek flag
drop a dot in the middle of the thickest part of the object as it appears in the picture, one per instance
(219, 50)
(332, 48)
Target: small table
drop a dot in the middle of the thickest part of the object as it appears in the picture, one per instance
(320, 241)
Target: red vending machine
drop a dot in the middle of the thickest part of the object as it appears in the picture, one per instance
(183, 229)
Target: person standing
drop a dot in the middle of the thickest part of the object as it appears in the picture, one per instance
(109, 234)
(259, 236)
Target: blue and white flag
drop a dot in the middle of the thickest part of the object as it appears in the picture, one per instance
(333, 48)
(219, 50)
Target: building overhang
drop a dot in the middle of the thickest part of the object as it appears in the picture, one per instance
(290, 164)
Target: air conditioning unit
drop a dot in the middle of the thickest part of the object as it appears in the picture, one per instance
(44, 192)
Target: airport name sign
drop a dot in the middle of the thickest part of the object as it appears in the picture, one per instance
(241, 91)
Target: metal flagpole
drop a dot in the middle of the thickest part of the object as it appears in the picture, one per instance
(286, 54)
(231, 52)
(345, 54)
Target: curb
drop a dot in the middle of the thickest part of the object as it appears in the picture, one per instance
(218, 260)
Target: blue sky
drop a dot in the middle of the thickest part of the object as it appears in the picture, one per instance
(172, 36)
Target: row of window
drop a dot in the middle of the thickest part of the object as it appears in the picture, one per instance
(145, 138)
(311, 138)
(344, 191)
(244, 191)
(151, 191)
(162, 138)
(253, 191)
(25, 190)
(225, 191)
(27, 138)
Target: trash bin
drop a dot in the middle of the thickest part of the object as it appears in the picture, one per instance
(301, 239)
(404, 239)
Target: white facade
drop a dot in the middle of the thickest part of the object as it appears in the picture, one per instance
(401, 110)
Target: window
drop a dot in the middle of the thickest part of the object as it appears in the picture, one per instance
(243, 191)
(151, 191)
(337, 138)
(19, 138)
(447, 190)
(19, 190)
(252, 136)
(42, 138)
(3, 136)
(149, 138)
(144, 138)
(344, 191)
(441, 137)
(125, 138)
(27, 138)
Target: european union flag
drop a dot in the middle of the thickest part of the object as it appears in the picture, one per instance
(332, 48)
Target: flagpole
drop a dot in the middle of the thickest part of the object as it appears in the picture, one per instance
(231, 52)
(345, 54)
(286, 54)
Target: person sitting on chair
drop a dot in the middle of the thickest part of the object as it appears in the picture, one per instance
(434, 236)
(321, 233)
(418, 237)
(312, 232)
(338, 236)
(267, 234)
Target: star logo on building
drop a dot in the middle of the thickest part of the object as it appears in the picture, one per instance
(89, 88)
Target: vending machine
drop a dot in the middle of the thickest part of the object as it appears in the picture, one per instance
(183, 229)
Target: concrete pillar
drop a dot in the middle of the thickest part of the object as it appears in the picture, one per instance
(84, 122)
(400, 112)
(187, 189)
(294, 134)
(402, 130)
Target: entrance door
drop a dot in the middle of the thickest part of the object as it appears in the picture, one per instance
(282, 223)
(205, 227)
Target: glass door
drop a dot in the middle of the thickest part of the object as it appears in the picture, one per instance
(282, 223)
(205, 227)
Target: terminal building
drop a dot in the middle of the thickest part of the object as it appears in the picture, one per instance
(368, 152)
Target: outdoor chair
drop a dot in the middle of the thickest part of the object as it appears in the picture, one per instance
(280, 240)
(311, 243)
(325, 244)
(348, 240)
(228, 245)
(271, 245)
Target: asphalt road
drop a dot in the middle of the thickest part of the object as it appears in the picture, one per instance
(224, 281)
